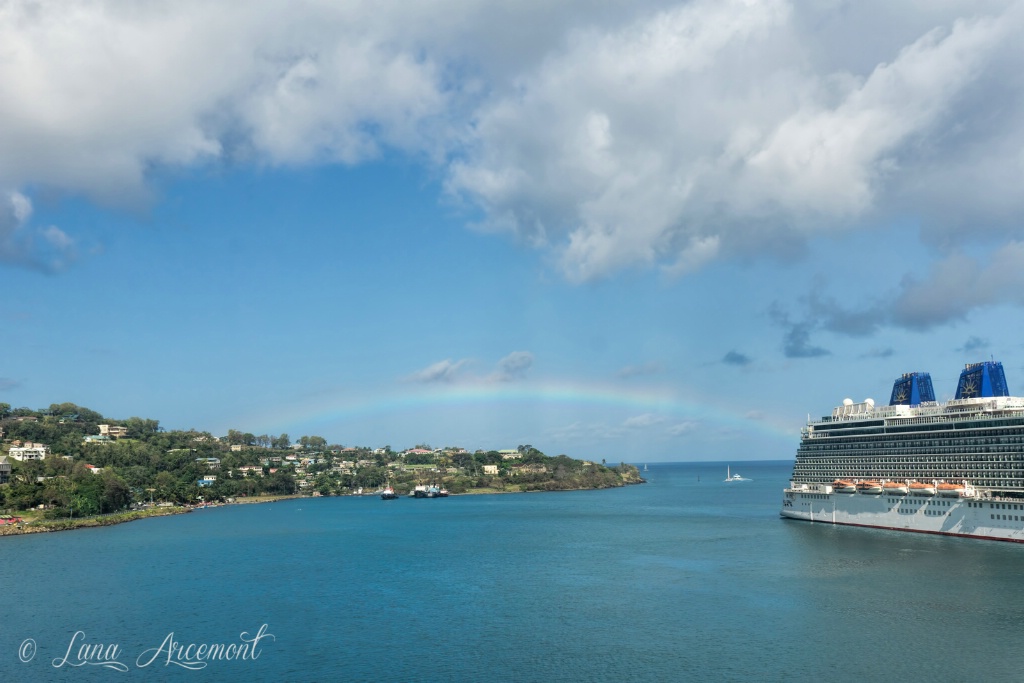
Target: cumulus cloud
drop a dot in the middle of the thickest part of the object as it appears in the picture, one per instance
(514, 366)
(92, 94)
(714, 128)
(611, 135)
(441, 371)
(47, 249)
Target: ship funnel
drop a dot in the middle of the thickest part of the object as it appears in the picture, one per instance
(911, 389)
(982, 380)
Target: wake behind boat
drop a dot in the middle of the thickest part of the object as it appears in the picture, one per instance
(733, 477)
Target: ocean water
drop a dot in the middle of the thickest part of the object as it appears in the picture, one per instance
(683, 578)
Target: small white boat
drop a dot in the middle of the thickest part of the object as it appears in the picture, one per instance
(733, 477)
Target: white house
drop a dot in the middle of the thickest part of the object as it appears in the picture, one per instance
(30, 451)
(113, 431)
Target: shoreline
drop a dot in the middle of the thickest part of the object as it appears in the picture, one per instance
(56, 525)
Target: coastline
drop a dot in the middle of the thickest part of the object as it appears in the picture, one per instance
(54, 525)
(51, 525)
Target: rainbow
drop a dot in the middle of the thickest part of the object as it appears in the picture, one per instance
(334, 409)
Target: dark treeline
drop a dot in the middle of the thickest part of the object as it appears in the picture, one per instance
(145, 464)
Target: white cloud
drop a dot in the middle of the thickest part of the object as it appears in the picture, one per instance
(93, 94)
(442, 371)
(47, 249)
(828, 161)
(609, 134)
(713, 128)
(513, 366)
(643, 421)
(685, 427)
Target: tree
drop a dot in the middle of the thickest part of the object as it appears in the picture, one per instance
(84, 505)
(140, 428)
(164, 484)
(280, 482)
(115, 494)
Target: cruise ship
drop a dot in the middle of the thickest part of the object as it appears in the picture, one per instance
(953, 468)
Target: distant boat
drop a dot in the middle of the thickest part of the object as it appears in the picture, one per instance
(388, 494)
(733, 477)
(645, 467)
(432, 491)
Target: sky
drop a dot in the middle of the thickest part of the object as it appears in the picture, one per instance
(635, 230)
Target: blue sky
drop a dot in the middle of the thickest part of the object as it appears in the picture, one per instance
(636, 231)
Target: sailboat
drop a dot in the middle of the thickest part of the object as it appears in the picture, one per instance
(729, 476)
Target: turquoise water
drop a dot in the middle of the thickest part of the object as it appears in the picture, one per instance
(678, 579)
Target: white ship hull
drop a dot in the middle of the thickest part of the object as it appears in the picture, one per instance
(977, 517)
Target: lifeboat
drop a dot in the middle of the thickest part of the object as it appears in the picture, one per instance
(843, 486)
(951, 490)
(869, 487)
(895, 488)
(922, 489)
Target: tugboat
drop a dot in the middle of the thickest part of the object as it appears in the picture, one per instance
(432, 491)
(388, 494)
